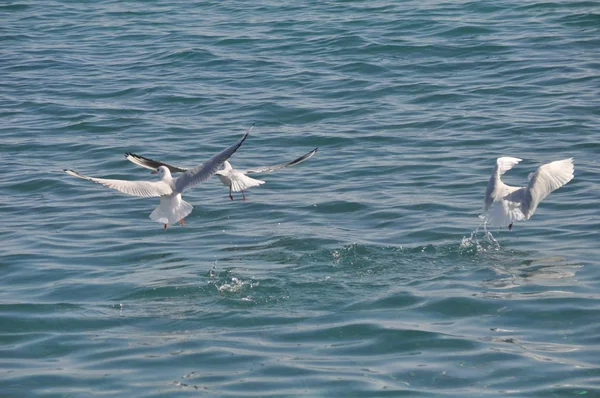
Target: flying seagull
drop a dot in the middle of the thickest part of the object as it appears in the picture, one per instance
(171, 208)
(236, 180)
(504, 205)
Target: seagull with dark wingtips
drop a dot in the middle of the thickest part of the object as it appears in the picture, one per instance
(235, 179)
(171, 208)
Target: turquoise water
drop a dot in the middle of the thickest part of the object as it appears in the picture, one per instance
(354, 274)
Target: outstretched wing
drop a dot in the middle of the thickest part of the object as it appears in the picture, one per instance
(269, 169)
(207, 169)
(152, 164)
(548, 177)
(134, 188)
(503, 164)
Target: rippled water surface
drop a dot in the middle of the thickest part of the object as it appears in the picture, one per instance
(357, 273)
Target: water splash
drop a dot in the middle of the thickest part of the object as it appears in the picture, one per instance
(485, 243)
(225, 282)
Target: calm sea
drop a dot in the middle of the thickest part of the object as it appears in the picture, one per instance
(359, 273)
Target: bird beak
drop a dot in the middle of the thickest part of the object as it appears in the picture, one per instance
(154, 171)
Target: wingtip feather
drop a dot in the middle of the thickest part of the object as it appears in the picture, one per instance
(73, 173)
(505, 163)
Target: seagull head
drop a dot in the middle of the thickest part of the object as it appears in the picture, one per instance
(227, 166)
(162, 171)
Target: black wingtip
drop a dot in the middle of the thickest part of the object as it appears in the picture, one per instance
(131, 155)
(72, 173)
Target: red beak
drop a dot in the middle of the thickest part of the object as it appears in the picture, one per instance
(154, 171)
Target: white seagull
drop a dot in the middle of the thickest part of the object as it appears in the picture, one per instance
(236, 180)
(171, 208)
(504, 205)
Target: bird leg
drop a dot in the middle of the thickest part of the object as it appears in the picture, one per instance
(181, 221)
(244, 196)
(166, 226)
(510, 227)
(230, 195)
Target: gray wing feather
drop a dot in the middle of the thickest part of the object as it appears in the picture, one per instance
(269, 169)
(134, 188)
(207, 169)
(152, 164)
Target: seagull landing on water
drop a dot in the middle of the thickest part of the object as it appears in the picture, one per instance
(171, 208)
(236, 180)
(504, 205)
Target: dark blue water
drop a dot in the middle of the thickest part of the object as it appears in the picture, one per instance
(359, 273)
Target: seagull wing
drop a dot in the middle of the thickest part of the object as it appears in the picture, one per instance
(269, 169)
(152, 164)
(207, 169)
(548, 177)
(503, 164)
(134, 188)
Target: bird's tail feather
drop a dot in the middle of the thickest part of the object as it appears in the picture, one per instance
(171, 211)
(503, 213)
(245, 182)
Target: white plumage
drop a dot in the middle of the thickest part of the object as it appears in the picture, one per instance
(236, 180)
(134, 188)
(171, 209)
(504, 204)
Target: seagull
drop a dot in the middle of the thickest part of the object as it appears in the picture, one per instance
(504, 205)
(235, 179)
(171, 208)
